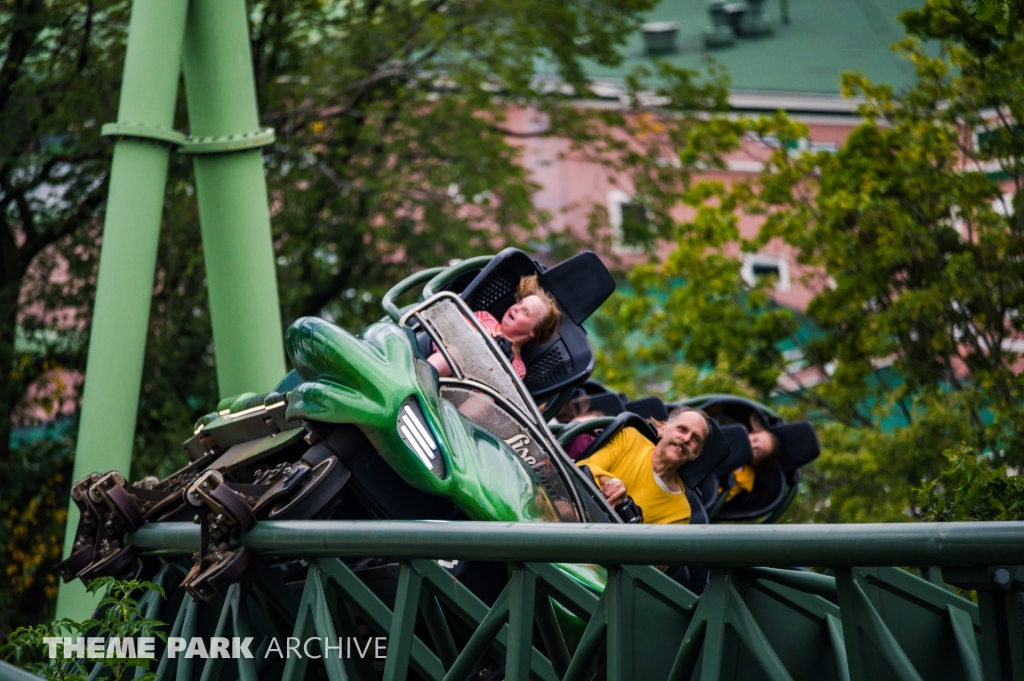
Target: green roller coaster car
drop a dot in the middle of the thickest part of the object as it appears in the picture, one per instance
(363, 428)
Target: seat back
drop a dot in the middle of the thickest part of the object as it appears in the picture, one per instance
(769, 491)
(609, 404)
(592, 387)
(592, 396)
(579, 285)
(622, 421)
(798, 445)
(649, 408)
(729, 409)
(740, 452)
(716, 449)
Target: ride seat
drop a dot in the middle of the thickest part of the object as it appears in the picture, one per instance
(769, 491)
(730, 409)
(798, 446)
(716, 449)
(600, 398)
(649, 408)
(740, 454)
(579, 285)
(608, 404)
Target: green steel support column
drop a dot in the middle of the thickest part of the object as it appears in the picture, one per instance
(619, 611)
(124, 288)
(232, 193)
(522, 597)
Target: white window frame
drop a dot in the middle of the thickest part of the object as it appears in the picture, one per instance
(616, 200)
(750, 260)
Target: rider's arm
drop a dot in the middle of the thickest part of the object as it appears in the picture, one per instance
(438, 362)
(603, 462)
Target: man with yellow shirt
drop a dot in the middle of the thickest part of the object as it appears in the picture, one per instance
(632, 464)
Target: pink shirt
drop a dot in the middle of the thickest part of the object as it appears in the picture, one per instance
(493, 327)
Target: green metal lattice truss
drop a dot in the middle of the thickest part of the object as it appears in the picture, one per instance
(755, 620)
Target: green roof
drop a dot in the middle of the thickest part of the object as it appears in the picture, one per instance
(823, 39)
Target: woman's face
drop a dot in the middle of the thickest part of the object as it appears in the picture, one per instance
(761, 443)
(521, 319)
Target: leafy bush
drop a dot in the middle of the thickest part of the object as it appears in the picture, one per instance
(33, 514)
(119, 617)
(972, 490)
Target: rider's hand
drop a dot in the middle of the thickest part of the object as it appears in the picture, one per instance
(613, 490)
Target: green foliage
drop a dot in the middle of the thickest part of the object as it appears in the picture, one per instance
(119, 617)
(33, 511)
(394, 150)
(399, 131)
(910, 250)
(1005, 15)
(61, 65)
(972, 489)
(869, 474)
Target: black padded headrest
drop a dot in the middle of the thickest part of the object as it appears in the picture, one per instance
(730, 408)
(769, 491)
(622, 421)
(494, 287)
(649, 408)
(740, 454)
(581, 284)
(592, 387)
(798, 445)
(609, 404)
(716, 450)
(568, 359)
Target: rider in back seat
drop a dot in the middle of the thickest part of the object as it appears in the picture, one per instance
(764, 445)
(533, 318)
(631, 464)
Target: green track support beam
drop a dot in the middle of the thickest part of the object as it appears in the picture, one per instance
(764, 623)
(130, 234)
(232, 194)
(211, 38)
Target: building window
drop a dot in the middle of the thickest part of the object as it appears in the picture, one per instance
(798, 147)
(757, 267)
(633, 230)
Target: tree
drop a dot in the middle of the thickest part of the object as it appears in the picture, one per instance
(915, 254)
(394, 152)
(61, 62)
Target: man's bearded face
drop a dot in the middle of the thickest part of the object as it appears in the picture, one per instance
(684, 437)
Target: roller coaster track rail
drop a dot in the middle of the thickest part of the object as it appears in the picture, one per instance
(857, 618)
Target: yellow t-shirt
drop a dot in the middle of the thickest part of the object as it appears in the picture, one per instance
(744, 476)
(628, 458)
